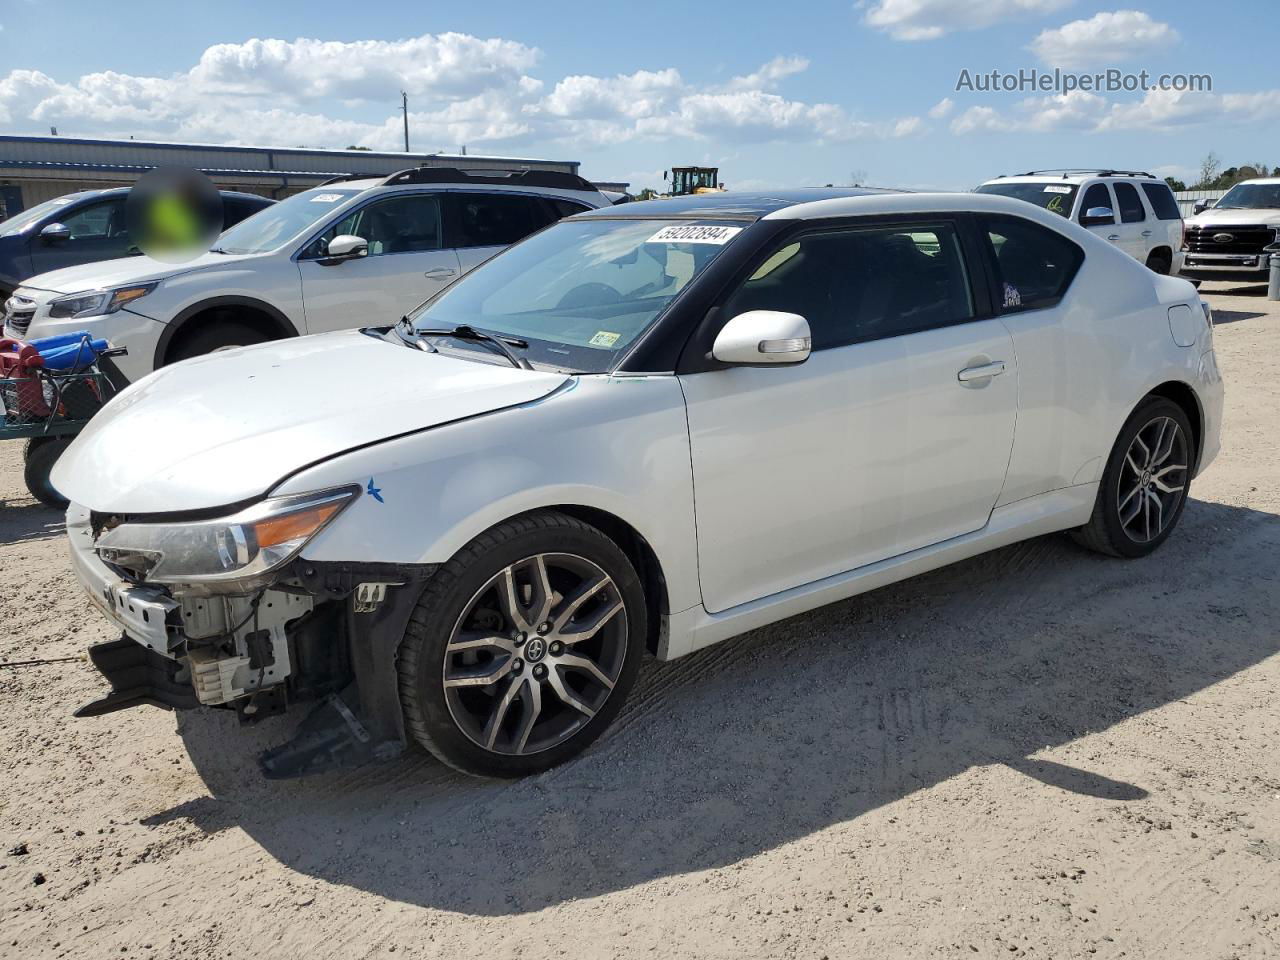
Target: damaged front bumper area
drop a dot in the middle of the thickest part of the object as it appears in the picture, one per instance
(316, 636)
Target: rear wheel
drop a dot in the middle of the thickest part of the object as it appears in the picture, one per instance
(1160, 262)
(1144, 486)
(523, 647)
(39, 456)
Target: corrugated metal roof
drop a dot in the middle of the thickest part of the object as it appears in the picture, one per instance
(143, 168)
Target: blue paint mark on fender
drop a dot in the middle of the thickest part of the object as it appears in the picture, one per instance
(374, 492)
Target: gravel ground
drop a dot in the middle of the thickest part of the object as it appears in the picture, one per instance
(1039, 752)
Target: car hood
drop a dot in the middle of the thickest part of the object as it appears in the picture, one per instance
(1238, 217)
(114, 273)
(227, 427)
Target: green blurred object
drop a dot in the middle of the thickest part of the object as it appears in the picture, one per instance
(172, 224)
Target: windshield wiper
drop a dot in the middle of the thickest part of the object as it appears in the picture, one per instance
(471, 334)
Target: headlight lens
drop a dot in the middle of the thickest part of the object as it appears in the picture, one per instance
(95, 303)
(240, 547)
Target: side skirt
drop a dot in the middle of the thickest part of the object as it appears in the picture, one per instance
(1058, 510)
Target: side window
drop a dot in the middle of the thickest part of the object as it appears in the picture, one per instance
(863, 284)
(494, 219)
(408, 223)
(1162, 201)
(1096, 196)
(1131, 209)
(1035, 264)
(96, 221)
(565, 208)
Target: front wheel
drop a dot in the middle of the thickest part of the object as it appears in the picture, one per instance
(522, 647)
(1145, 483)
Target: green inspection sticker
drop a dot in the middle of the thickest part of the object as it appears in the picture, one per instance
(604, 338)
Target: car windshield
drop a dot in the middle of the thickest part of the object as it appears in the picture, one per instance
(20, 221)
(281, 222)
(1251, 196)
(1056, 197)
(580, 291)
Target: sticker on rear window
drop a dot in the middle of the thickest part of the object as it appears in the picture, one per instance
(1054, 188)
(695, 233)
(604, 338)
(326, 197)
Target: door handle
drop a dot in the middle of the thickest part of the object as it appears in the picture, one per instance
(1114, 237)
(439, 273)
(984, 372)
(1146, 233)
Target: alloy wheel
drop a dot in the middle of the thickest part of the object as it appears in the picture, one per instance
(536, 653)
(1153, 480)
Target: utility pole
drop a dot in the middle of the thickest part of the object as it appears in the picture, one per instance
(404, 106)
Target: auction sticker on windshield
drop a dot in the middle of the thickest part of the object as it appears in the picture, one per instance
(695, 233)
(326, 197)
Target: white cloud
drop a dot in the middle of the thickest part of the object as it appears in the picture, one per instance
(942, 108)
(768, 76)
(1103, 39)
(1159, 111)
(929, 19)
(462, 90)
(979, 120)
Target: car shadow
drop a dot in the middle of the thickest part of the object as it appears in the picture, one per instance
(29, 520)
(782, 733)
(1222, 317)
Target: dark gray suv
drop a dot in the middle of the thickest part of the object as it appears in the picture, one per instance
(82, 228)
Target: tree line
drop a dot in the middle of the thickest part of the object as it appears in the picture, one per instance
(1213, 177)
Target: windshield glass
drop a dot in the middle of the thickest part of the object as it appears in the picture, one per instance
(20, 221)
(1054, 197)
(1251, 196)
(581, 291)
(277, 224)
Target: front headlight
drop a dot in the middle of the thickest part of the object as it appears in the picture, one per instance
(240, 547)
(95, 303)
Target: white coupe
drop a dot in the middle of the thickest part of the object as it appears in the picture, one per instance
(648, 427)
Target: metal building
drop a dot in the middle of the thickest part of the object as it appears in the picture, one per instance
(35, 169)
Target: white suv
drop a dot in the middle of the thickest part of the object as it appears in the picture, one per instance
(1135, 211)
(349, 252)
(1230, 241)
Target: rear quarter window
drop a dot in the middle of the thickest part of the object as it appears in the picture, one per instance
(1162, 201)
(1034, 265)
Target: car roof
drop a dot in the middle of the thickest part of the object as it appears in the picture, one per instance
(114, 191)
(737, 205)
(1074, 178)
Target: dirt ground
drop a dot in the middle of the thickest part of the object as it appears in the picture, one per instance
(1039, 753)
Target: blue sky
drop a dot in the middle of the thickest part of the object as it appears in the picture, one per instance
(833, 90)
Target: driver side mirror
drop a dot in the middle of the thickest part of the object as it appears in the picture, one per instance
(1098, 217)
(763, 338)
(1202, 205)
(346, 247)
(55, 233)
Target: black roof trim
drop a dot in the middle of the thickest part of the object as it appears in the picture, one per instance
(548, 179)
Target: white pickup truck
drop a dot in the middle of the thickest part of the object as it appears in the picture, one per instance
(1227, 241)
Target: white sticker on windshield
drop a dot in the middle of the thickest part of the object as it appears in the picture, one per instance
(695, 233)
(1054, 188)
(326, 197)
(604, 338)
(61, 200)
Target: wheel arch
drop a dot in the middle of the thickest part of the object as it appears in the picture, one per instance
(258, 312)
(638, 550)
(1185, 397)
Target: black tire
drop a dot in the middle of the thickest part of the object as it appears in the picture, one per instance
(40, 455)
(449, 595)
(1106, 532)
(214, 335)
(1161, 263)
